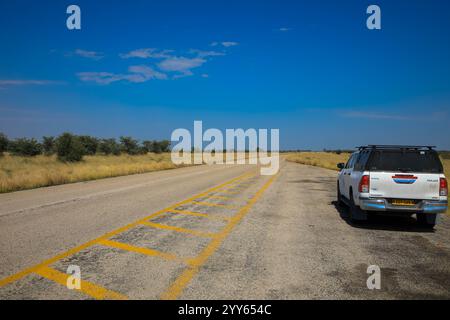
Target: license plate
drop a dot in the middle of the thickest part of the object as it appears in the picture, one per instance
(402, 202)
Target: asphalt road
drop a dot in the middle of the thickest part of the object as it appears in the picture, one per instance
(212, 232)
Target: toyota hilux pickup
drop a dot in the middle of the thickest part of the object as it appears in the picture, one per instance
(397, 180)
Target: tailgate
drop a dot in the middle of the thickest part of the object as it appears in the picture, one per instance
(421, 186)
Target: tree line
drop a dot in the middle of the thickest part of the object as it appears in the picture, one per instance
(72, 148)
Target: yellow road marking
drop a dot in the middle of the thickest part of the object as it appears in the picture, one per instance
(230, 191)
(178, 229)
(199, 214)
(70, 252)
(146, 251)
(86, 287)
(183, 280)
(219, 198)
(209, 204)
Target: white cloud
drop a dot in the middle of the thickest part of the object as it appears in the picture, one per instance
(137, 74)
(89, 54)
(176, 65)
(374, 115)
(28, 82)
(204, 54)
(224, 43)
(146, 53)
(205, 75)
(229, 44)
(182, 65)
(434, 116)
(99, 77)
(284, 29)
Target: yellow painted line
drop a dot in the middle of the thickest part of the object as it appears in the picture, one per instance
(209, 204)
(86, 287)
(146, 251)
(178, 229)
(88, 244)
(230, 191)
(199, 214)
(219, 198)
(177, 287)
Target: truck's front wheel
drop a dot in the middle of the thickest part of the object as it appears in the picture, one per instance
(339, 196)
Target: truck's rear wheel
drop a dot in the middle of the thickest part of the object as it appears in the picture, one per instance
(356, 214)
(427, 220)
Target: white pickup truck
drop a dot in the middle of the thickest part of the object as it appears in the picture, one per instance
(389, 179)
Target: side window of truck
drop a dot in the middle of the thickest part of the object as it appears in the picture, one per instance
(361, 162)
(351, 161)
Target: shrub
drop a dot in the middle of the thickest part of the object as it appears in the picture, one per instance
(164, 145)
(48, 145)
(25, 147)
(147, 145)
(69, 148)
(109, 146)
(90, 144)
(157, 146)
(129, 145)
(3, 143)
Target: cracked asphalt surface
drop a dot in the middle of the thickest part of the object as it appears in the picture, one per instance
(254, 238)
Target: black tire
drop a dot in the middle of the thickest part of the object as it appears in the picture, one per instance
(426, 220)
(351, 209)
(339, 196)
(355, 213)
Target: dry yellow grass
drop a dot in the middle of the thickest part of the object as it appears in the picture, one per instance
(330, 160)
(319, 159)
(19, 173)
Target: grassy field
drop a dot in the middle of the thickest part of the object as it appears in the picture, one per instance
(330, 160)
(318, 159)
(19, 173)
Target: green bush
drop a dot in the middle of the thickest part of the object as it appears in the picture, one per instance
(109, 146)
(25, 147)
(147, 145)
(48, 145)
(3, 143)
(129, 145)
(164, 145)
(90, 144)
(157, 146)
(69, 148)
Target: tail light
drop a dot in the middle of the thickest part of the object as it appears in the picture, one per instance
(364, 184)
(443, 187)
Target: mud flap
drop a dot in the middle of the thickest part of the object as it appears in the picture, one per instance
(432, 218)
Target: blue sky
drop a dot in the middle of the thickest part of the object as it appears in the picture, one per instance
(310, 68)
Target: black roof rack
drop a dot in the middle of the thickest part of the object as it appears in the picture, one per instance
(387, 146)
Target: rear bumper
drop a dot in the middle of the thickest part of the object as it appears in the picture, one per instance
(425, 206)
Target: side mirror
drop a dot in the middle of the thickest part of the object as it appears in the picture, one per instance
(341, 165)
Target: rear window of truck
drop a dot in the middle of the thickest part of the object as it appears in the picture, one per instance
(405, 161)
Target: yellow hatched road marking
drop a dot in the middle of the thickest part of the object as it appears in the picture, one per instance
(86, 287)
(88, 244)
(209, 204)
(199, 214)
(179, 229)
(183, 280)
(230, 191)
(146, 251)
(219, 198)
